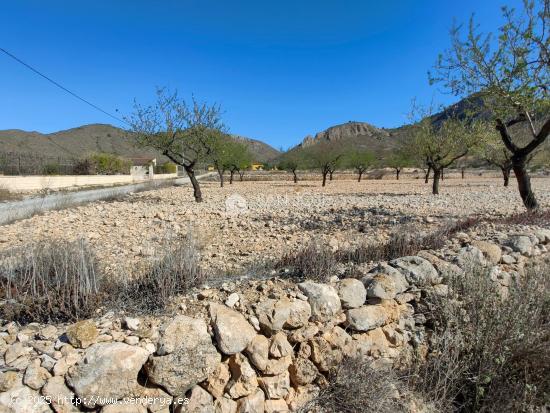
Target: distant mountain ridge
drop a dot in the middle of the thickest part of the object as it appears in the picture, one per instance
(83, 140)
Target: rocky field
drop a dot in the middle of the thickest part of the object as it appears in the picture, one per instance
(249, 222)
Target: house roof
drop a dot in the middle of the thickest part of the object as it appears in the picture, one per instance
(142, 161)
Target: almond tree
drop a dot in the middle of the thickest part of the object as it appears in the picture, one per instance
(324, 157)
(398, 160)
(291, 162)
(444, 143)
(360, 161)
(186, 134)
(239, 161)
(511, 73)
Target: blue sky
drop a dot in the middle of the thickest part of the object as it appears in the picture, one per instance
(280, 69)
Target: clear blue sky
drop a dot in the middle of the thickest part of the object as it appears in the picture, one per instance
(281, 69)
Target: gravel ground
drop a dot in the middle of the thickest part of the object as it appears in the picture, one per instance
(278, 217)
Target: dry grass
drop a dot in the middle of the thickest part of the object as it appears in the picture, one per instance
(49, 281)
(175, 272)
(315, 261)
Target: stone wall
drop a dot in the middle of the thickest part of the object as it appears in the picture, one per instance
(249, 346)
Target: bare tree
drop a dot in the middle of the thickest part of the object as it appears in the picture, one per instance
(511, 73)
(183, 133)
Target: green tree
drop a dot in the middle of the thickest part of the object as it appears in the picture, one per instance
(240, 160)
(184, 133)
(398, 160)
(324, 157)
(360, 161)
(291, 162)
(444, 143)
(511, 73)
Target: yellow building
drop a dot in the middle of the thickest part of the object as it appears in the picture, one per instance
(257, 166)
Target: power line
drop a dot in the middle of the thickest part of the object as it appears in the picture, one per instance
(61, 86)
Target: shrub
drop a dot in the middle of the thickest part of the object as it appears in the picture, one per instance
(51, 169)
(174, 273)
(168, 168)
(489, 353)
(49, 281)
(357, 387)
(84, 167)
(109, 164)
(315, 262)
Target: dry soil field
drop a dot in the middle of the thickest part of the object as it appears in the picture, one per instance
(279, 217)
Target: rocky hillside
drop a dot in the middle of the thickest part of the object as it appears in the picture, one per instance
(86, 139)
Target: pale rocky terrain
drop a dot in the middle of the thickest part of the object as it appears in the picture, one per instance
(278, 217)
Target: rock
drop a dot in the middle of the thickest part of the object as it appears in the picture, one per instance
(8, 379)
(275, 387)
(21, 398)
(490, 251)
(303, 334)
(323, 355)
(401, 284)
(280, 346)
(470, 257)
(232, 300)
(132, 323)
(366, 318)
(82, 334)
(543, 235)
(444, 268)
(48, 333)
(258, 351)
(275, 406)
(243, 377)
(417, 270)
(302, 371)
(253, 403)
(218, 379)
(521, 244)
(273, 314)
(109, 370)
(181, 327)
(352, 293)
(15, 351)
(233, 333)
(191, 361)
(60, 395)
(277, 366)
(323, 299)
(508, 259)
(381, 286)
(200, 401)
(225, 405)
(338, 339)
(300, 312)
(123, 407)
(35, 375)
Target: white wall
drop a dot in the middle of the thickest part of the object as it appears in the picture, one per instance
(39, 182)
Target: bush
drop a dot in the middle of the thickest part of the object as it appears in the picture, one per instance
(84, 167)
(49, 281)
(174, 273)
(489, 352)
(109, 164)
(51, 169)
(314, 262)
(357, 387)
(167, 168)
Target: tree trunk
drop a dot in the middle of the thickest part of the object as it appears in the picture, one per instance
(241, 176)
(506, 175)
(231, 173)
(437, 176)
(462, 173)
(360, 176)
(330, 175)
(441, 174)
(427, 176)
(196, 187)
(295, 177)
(324, 178)
(524, 183)
(220, 173)
(397, 172)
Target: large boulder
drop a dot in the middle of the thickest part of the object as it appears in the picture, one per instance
(258, 351)
(108, 370)
(417, 270)
(233, 333)
(300, 311)
(253, 403)
(21, 398)
(273, 314)
(82, 334)
(367, 317)
(470, 257)
(382, 286)
(352, 293)
(189, 362)
(60, 395)
(323, 299)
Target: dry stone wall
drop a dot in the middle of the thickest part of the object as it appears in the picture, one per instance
(251, 347)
